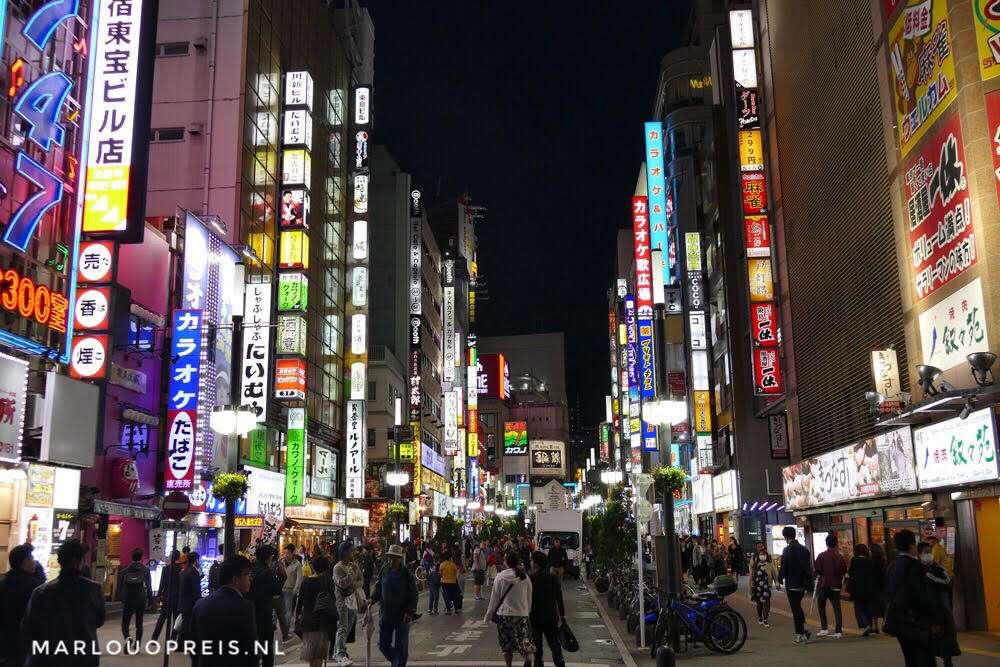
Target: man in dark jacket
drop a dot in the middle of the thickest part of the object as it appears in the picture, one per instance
(190, 592)
(547, 609)
(170, 586)
(215, 571)
(15, 591)
(557, 559)
(796, 574)
(910, 610)
(397, 592)
(830, 569)
(224, 621)
(63, 612)
(265, 593)
(135, 591)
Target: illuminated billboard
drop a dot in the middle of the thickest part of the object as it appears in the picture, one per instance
(493, 376)
(515, 439)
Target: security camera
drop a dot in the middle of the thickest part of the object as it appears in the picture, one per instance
(927, 374)
(970, 405)
(982, 363)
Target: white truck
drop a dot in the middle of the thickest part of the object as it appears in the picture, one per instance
(567, 527)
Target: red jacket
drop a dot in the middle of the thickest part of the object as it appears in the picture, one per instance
(831, 568)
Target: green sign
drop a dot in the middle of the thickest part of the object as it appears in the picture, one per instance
(258, 447)
(293, 292)
(406, 452)
(295, 459)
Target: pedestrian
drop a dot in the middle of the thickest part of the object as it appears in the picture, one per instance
(796, 574)
(557, 559)
(876, 606)
(944, 635)
(763, 574)
(830, 569)
(491, 566)
(411, 554)
(170, 586)
(737, 558)
(479, 566)
(348, 582)
(511, 600)
(215, 571)
(265, 593)
(290, 589)
(548, 612)
(860, 586)
(588, 559)
(190, 592)
(909, 613)
(448, 571)
(719, 558)
(316, 613)
(65, 612)
(941, 555)
(524, 551)
(699, 562)
(224, 628)
(432, 567)
(687, 554)
(135, 592)
(396, 592)
(15, 591)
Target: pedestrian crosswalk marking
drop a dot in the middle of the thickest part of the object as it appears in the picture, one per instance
(586, 614)
(448, 649)
(465, 636)
(474, 624)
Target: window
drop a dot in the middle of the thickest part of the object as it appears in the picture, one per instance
(372, 391)
(371, 438)
(166, 134)
(168, 49)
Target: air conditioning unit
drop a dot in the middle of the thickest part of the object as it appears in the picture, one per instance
(199, 43)
(195, 128)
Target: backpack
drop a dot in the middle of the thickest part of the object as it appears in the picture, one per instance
(213, 576)
(133, 579)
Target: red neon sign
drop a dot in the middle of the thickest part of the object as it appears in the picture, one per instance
(22, 296)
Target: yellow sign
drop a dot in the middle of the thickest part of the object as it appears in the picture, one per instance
(987, 16)
(473, 445)
(105, 207)
(761, 285)
(294, 250)
(248, 521)
(922, 68)
(416, 457)
(751, 150)
(702, 412)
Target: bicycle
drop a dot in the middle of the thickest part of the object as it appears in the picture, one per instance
(701, 618)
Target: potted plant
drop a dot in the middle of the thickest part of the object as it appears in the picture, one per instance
(230, 487)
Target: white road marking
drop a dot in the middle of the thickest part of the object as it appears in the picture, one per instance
(465, 636)
(448, 649)
(474, 624)
(586, 614)
(619, 644)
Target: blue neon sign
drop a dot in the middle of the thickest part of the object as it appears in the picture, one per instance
(185, 355)
(656, 191)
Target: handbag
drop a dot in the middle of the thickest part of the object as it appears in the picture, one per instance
(567, 639)
(495, 618)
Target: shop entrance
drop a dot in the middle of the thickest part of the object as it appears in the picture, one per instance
(988, 531)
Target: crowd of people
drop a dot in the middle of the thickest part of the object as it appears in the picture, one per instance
(705, 558)
(317, 594)
(909, 598)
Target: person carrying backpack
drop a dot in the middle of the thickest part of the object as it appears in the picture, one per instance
(215, 571)
(135, 591)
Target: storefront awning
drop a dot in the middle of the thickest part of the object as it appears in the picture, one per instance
(310, 523)
(875, 503)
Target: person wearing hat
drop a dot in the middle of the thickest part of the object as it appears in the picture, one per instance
(397, 593)
(350, 596)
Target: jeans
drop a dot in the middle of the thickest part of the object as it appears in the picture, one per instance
(163, 620)
(551, 634)
(288, 598)
(344, 625)
(128, 611)
(798, 616)
(450, 592)
(433, 592)
(823, 594)
(394, 642)
(862, 614)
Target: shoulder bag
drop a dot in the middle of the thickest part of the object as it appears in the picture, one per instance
(495, 618)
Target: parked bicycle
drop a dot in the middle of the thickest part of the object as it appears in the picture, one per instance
(700, 618)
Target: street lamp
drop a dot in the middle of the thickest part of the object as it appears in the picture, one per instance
(232, 420)
(489, 508)
(474, 505)
(611, 476)
(397, 478)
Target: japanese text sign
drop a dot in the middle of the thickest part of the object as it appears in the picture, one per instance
(185, 354)
(757, 233)
(754, 187)
(993, 130)
(355, 449)
(767, 371)
(764, 324)
(922, 68)
(751, 150)
(939, 210)
(957, 451)
(290, 379)
(295, 458)
(986, 14)
(256, 352)
(954, 327)
(656, 189)
(643, 257)
(116, 165)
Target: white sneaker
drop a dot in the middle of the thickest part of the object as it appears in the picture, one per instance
(823, 633)
(766, 624)
(343, 661)
(760, 622)
(837, 635)
(799, 639)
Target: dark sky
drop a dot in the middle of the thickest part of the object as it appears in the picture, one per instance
(535, 110)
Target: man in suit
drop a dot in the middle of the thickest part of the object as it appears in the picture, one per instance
(224, 621)
(190, 592)
(547, 609)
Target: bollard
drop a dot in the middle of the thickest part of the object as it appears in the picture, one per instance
(665, 657)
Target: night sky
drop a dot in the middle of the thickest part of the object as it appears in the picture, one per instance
(535, 110)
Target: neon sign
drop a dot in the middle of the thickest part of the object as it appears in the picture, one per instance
(19, 294)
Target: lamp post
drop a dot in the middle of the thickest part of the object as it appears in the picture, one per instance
(231, 421)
